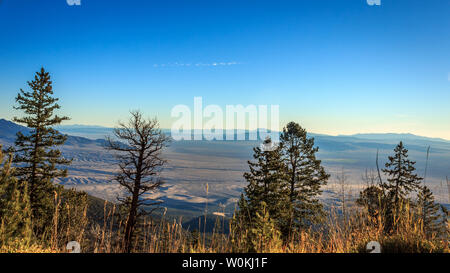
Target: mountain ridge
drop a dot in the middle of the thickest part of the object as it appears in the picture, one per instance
(369, 136)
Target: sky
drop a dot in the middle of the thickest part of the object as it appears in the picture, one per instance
(333, 66)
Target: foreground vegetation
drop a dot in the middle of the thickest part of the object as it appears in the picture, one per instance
(279, 210)
(104, 235)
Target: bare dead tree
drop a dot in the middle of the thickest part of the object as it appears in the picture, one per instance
(369, 178)
(378, 170)
(426, 165)
(341, 178)
(138, 149)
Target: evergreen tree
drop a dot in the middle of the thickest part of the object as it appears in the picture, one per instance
(445, 223)
(402, 179)
(15, 211)
(242, 215)
(263, 233)
(304, 177)
(401, 182)
(430, 212)
(36, 158)
(265, 184)
(239, 226)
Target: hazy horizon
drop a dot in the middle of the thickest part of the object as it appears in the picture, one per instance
(314, 133)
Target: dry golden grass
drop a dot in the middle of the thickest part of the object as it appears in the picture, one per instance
(334, 236)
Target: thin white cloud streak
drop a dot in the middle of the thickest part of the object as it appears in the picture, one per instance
(176, 64)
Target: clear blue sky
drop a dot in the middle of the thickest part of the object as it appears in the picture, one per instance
(334, 66)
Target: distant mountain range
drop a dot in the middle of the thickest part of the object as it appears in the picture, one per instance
(349, 150)
(329, 145)
(395, 137)
(94, 131)
(221, 164)
(9, 129)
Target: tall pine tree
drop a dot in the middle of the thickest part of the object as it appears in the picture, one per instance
(38, 161)
(401, 177)
(401, 181)
(304, 177)
(265, 184)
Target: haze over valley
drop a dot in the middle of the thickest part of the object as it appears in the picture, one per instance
(221, 164)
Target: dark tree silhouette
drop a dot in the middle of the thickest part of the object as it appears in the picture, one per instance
(139, 149)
